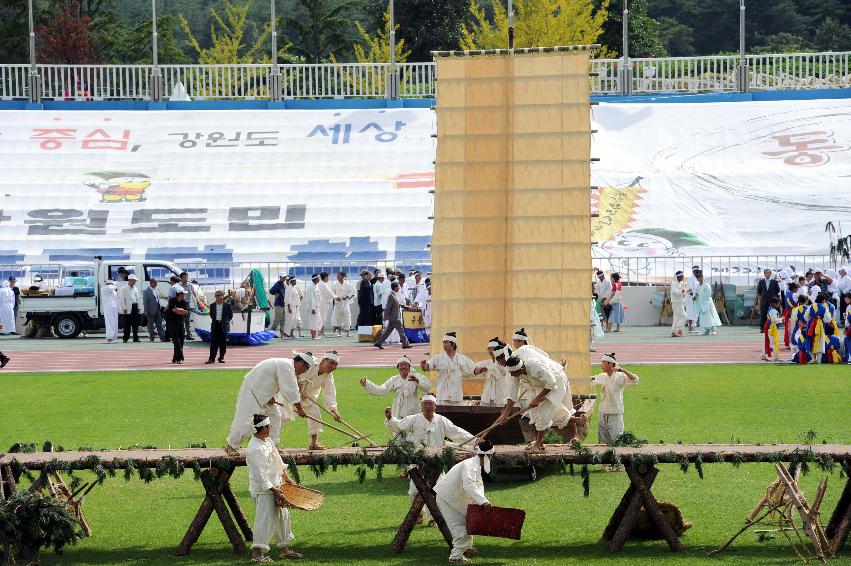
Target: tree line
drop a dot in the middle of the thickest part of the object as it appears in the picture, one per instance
(315, 31)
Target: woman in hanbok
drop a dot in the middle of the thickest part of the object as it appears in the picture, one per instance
(704, 306)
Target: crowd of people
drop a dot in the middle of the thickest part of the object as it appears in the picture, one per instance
(803, 313)
(693, 304)
(518, 377)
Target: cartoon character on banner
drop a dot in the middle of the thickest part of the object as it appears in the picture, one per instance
(118, 186)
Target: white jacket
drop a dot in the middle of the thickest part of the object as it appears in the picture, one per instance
(406, 401)
(265, 466)
(462, 485)
(271, 378)
(420, 431)
(450, 372)
(125, 298)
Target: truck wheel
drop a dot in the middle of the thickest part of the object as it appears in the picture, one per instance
(67, 326)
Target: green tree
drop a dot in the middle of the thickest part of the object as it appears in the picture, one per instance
(426, 25)
(134, 45)
(230, 36)
(677, 38)
(14, 36)
(376, 48)
(645, 39)
(537, 23)
(781, 43)
(320, 29)
(833, 35)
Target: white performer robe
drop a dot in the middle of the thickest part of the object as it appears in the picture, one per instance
(265, 471)
(7, 308)
(272, 379)
(297, 311)
(691, 312)
(497, 383)
(292, 302)
(422, 432)
(316, 306)
(312, 384)
(610, 400)
(326, 299)
(545, 374)
(406, 393)
(461, 486)
(450, 372)
(342, 312)
(109, 305)
(677, 294)
(704, 305)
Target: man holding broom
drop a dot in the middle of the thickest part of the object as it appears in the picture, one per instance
(319, 379)
(266, 473)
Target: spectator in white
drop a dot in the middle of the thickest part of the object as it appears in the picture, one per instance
(427, 309)
(266, 473)
(451, 366)
(191, 300)
(153, 314)
(319, 379)
(461, 487)
(602, 288)
(292, 302)
(691, 312)
(405, 387)
(677, 295)
(7, 309)
(17, 293)
(128, 298)
(278, 290)
(611, 384)
(418, 293)
(497, 380)
(844, 285)
(832, 279)
(298, 324)
(316, 306)
(342, 295)
(327, 297)
(380, 289)
(109, 306)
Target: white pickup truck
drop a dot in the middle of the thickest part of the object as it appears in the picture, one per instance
(69, 315)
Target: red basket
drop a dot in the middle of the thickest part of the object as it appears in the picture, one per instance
(495, 521)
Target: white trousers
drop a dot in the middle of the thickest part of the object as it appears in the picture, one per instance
(312, 409)
(679, 315)
(290, 323)
(457, 523)
(111, 321)
(609, 427)
(246, 407)
(549, 414)
(270, 521)
(344, 314)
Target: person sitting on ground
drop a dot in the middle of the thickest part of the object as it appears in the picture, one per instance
(266, 473)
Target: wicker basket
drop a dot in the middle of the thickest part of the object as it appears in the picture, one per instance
(495, 521)
(299, 497)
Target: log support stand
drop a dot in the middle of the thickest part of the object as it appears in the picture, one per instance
(638, 494)
(425, 496)
(219, 498)
(840, 522)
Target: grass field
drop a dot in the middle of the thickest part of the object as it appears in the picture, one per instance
(143, 523)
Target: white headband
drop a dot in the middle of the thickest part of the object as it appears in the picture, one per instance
(448, 338)
(608, 358)
(431, 398)
(505, 351)
(487, 463)
(516, 367)
(306, 358)
(403, 360)
(264, 422)
(521, 337)
(493, 345)
(331, 356)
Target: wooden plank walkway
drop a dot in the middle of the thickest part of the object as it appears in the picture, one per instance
(673, 453)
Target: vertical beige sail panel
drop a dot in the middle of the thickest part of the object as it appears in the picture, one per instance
(511, 244)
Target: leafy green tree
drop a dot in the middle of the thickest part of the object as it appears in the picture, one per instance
(833, 35)
(320, 28)
(134, 45)
(230, 36)
(537, 23)
(781, 43)
(677, 38)
(376, 48)
(645, 38)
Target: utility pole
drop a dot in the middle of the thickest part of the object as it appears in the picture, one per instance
(744, 79)
(392, 91)
(626, 70)
(275, 85)
(34, 82)
(510, 24)
(156, 78)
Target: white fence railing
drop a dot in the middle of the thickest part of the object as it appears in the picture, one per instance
(355, 80)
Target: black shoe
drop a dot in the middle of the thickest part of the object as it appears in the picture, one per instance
(125, 341)
(210, 362)
(379, 346)
(136, 340)
(3, 361)
(190, 338)
(406, 347)
(221, 360)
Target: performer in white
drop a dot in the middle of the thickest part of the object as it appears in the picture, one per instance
(611, 384)
(405, 386)
(7, 309)
(462, 486)
(524, 350)
(343, 293)
(677, 295)
(270, 388)
(450, 365)
(326, 298)
(315, 319)
(292, 303)
(109, 305)
(691, 312)
(266, 473)
(550, 389)
(497, 380)
(319, 379)
(427, 429)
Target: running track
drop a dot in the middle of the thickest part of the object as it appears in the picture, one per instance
(633, 346)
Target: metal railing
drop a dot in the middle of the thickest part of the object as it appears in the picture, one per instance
(356, 80)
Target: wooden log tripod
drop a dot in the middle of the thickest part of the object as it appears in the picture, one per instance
(624, 518)
(425, 496)
(219, 497)
(840, 521)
